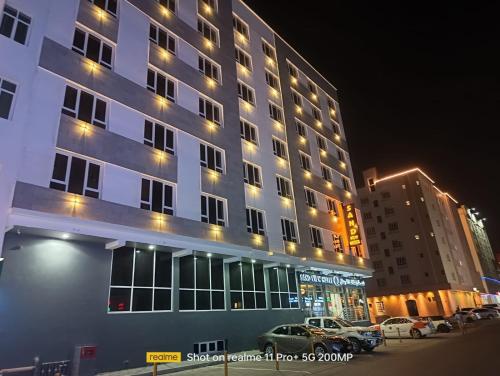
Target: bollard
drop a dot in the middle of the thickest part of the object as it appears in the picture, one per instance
(383, 338)
(155, 369)
(276, 356)
(399, 335)
(225, 363)
(312, 349)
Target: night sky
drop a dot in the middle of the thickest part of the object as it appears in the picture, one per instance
(418, 86)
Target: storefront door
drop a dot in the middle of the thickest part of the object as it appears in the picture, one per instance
(313, 300)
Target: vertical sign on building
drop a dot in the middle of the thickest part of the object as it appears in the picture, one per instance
(352, 229)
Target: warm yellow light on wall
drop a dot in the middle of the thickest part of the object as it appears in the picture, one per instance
(165, 11)
(92, 66)
(323, 153)
(302, 140)
(294, 80)
(314, 96)
(343, 165)
(247, 106)
(298, 109)
(257, 239)
(332, 112)
(211, 125)
(211, 83)
(314, 212)
(270, 61)
(208, 44)
(101, 14)
(208, 9)
(329, 184)
(303, 259)
(242, 38)
(163, 102)
(285, 202)
(281, 162)
(319, 124)
(253, 189)
(335, 219)
(166, 55)
(270, 253)
(159, 155)
(348, 194)
(307, 174)
(291, 246)
(74, 201)
(337, 137)
(214, 175)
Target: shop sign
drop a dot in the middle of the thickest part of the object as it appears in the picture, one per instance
(352, 225)
(330, 280)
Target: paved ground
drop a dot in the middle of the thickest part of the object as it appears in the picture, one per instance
(477, 353)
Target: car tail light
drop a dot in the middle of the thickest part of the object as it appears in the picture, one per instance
(420, 325)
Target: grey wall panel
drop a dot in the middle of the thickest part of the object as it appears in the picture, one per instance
(89, 16)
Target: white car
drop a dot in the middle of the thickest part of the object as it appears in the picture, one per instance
(361, 337)
(396, 327)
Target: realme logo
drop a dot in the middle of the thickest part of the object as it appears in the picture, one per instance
(163, 357)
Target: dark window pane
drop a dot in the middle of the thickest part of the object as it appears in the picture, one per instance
(202, 300)
(217, 274)
(169, 143)
(236, 300)
(142, 300)
(76, 176)
(160, 84)
(218, 300)
(159, 137)
(93, 47)
(100, 113)
(162, 300)
(249, 300)
(282, 279)
(145, 190)
(186, 271)
(21, 33)
(157, 199)
(107, 54)
(275, 300)
(5, 104)
(162, 39)
(112, 6)
(60, 165)
(292, 284)
(171, 44)
(259, 277)
(119, 300)
(123, 259)
(202, 273)
(163, 269)
(151, 78)
(168, 195)
(148, 131)
(235, 276)
(273, 279)
(6, 26)
(212, 210)
(294, 301)
(186, 300)
(143, 274)
(152, 32)
(93, 176)
(59, 186)
(70, 97)
(285, 302)
(79, 40)
(247, 276)
(86, 105)
(260, 300)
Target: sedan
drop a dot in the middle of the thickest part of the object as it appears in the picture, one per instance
(405, 327)
(301, 339)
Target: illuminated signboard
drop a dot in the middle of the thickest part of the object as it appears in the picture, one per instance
(335, 280)
(352, 225)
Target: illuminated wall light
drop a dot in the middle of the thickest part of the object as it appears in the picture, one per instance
(281, 162)
(332, 112)
(323, 153)
(319, 124)
(270, 253)
(211, 82)
(163, 102)
(335, 219)
(348, 194)
(208, 9)
(166, 55)
(329, 184)
(302, 140)
(165, 11)
(253, 261)
(211, 125)
(274, 92)
(257, 240)
(242, 38)
(101, 14)
(151, 247)
(248, 106)
(314, 211)
(208, 44)
(298, 109)
(307, 174)
(92, 66)
(294, 80)
(343, 165)
(214, 175)
(291, 246)
(314, 96)
(337, 137)
(286, 202)
(65, 236)
(209, 254)
(269, 61)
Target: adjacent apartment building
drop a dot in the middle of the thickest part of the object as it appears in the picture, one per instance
(421, 258)
(172, 175)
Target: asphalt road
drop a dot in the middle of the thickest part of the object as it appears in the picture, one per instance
(477, 353)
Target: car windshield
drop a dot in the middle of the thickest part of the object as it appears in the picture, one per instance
(344, 322)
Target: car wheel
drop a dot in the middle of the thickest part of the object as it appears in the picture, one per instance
(319, 351)
(443, 328)
(269, 350)
(415, 333)
(356, 345)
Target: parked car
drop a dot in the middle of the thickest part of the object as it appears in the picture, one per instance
(495, 306)
(301, 339)
(361, 337)
(441, 324)
(467, 316)
(486, 313)
(405, 327)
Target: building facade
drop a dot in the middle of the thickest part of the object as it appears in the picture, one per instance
(170, 170)
(481, 252)
(421, 260)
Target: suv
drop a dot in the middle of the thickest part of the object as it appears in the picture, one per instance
(361, 337)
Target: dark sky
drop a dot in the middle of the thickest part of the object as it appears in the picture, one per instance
(418, 86)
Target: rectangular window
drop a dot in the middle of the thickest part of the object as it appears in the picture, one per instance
(316, 238)
(293, 71)
(393, 226)
(370, 231)
(305, 162)
(316, 114)
(401, 261)
(272, 80)
(255, 221)
(243, 58)
(341, 155)
(326, 173)
(84, 106)
(268, 50)
(405, 279)
(208, 31)
(208, 68)
(321, 142)
(210, 5)
(251, 174)
(332, 109)
(390, 211)
(284, 187)
(75, 175)
(275, 113)
(397, 244)
(7, 92)
(201, 284)
(246, 93)
(310, 198)
(162, 38)
(93, 48)
(210, 111)
(110, 6)
(246, 281)
(312, 87)
(332, 206)
(211, 158)
(279, 148)
(159, 137)
(212, 210)
(283, 287)
(248, 132)
(161, 84)
(297, 99)
(338, 243)
(288, 230)
(168, 4)
(241, 27)
(157, 196)
(141, 280)
(15, 25)
(346, 184)
(301, 128)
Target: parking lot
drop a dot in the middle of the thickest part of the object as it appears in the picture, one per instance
(475, 353)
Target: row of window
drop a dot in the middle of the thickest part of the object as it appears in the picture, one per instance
(326, 172)
(142, 280)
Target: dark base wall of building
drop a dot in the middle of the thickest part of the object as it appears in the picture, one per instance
(54, 296)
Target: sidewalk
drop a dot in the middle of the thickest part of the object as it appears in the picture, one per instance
(173, 367)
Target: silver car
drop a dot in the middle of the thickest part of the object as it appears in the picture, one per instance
(486, 313)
